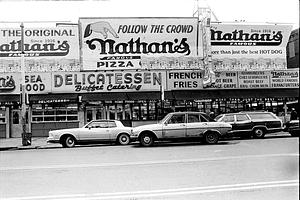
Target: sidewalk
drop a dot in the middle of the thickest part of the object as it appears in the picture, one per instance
(41, 142)
(16, 144)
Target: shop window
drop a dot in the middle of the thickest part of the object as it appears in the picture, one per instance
(16, 117)
(89, 115)
(54, 112)
(2, 115)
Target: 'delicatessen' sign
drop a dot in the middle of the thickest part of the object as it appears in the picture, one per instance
(81, 82)
(123, 43)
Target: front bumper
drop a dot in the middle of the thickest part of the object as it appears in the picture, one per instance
(51, 139)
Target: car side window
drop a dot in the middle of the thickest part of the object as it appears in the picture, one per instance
(261, 116)
(98, 125)
(193, 118)
(112, 124)
(175, 119)
(228, 118)
(203, 119)
(241, 117)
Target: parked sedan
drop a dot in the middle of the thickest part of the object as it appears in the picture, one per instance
(182, 125)
(99, 131)
(256, 124)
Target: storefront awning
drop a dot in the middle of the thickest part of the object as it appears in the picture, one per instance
(52, 98)
(105, 96)
(250, 93)
(9, 98)
(144, 95)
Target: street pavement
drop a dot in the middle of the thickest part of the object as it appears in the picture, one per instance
(262, 169)
(41, 142)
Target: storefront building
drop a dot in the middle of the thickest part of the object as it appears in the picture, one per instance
(141, 69)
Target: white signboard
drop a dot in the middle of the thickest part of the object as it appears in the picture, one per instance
(253, 79)
(46, 49)
(225, 80)
(122, 43)
(35, 83)
(244, 47)
(82, 82)
(185, 79)
(285, 79)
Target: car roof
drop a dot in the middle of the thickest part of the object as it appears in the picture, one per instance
(104, 120)
(188, 112)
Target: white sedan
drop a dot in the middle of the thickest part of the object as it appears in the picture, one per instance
(94, 132)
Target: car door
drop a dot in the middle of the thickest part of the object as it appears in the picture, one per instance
(175, 127)
(96, 131)
(196, 125)
(242, 123)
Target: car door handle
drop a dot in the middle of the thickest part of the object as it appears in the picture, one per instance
(182, 124)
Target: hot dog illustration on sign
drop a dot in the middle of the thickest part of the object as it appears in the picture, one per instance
(100, 27)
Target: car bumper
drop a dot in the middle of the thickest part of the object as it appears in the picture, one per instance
(52, 140)
(133, 138)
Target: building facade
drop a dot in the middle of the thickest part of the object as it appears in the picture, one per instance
(138, 69)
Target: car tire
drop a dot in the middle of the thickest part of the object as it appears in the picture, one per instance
(294, 134)
(211, 137)
(123, 139)
(69, 141)
(146, 139)
(258, 133)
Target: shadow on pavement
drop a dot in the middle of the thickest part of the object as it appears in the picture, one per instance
(169, 144)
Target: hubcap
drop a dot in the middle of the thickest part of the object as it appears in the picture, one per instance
(70, 141)
(147, 139)
(211, 137)
(124, 139)
(258, 133)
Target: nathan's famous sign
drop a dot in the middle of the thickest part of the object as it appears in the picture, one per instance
(122, 43)
(245, 46)
(42, 47)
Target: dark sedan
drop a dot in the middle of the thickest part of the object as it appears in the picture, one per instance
(256, 124)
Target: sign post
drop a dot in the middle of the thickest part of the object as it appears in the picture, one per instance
(25, 139)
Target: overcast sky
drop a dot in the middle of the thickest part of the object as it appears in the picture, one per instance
(279, 11)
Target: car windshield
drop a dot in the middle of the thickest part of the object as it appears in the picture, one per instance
(207, 117)
(164, 119)
(218, 117)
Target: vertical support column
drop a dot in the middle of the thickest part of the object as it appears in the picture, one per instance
(8, 122)
(123, 111)
(116, 111)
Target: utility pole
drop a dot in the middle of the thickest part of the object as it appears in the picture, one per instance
(25, 137)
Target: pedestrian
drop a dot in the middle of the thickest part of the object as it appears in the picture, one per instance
(294, 114)
(212, 113)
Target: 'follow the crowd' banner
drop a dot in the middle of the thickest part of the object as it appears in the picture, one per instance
(135, 43)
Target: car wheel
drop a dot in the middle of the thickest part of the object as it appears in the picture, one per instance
(211, 138)
(146, 140)
(258, 133)
(123, 139)
(294, 134)
(69, 141)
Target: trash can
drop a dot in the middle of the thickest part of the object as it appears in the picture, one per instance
(26, 139)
